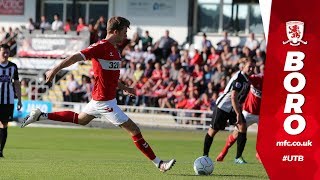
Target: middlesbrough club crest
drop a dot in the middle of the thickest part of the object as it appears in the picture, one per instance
(295, 33)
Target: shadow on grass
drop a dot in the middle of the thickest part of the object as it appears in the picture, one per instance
(220, 175)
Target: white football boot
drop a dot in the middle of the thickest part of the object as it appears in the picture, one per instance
(32, 117)
(166, 165)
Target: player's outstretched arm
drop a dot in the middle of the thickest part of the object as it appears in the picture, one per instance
(65, 63)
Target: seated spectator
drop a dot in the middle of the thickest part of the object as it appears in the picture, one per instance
(174, 55)
(213, 58)
(234, 57)
(149, 56)
(174, 71)
(69, 95)
(148, 70)
(138, 73)
(207, 73)
(197, 74)
(185, 60)
(84, 90)
(260, 57)
(226, 55)
(128, 74)
(197, 59)
(156, 73)
(136, 56)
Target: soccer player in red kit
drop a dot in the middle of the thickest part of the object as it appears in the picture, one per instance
(251, 111)
(106, 63)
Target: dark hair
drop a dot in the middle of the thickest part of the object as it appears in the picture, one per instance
(4, 46)
(117, 23)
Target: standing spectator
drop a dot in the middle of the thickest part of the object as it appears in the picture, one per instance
(205, 42)
(135, 40)
(81, 25)
(30, 25)
(263, 44)
(8, 72)
(67, 26)
(252, 43)
(224, 41)
(93, 34)
(146, 41)
(44, 25)
(101, 27)
(57, 24)
(164, 44)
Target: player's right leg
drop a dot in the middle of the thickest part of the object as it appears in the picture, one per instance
(232, 138)
(218, 122)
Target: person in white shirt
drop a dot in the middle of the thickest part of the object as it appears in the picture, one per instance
(252, 43)
(57, 24)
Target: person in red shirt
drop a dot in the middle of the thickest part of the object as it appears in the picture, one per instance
(106, 62)
(251, 111)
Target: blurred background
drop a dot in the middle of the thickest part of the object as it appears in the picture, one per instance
(179, 55)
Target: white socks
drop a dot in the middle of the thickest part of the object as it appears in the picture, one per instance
(156, 162)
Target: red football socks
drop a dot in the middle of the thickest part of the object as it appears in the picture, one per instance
(64, 116)
(229, 143)
(143, 146)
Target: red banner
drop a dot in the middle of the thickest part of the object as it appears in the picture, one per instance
(11, 7)
(288, 137)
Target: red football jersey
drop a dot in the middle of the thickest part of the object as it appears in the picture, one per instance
(106, 63)
(253, 100)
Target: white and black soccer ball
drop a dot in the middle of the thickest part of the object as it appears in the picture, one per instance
(203, 166)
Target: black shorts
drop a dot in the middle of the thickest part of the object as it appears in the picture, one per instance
(220, 119)
(6, 112)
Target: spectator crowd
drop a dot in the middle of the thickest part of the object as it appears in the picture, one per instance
(163, 73)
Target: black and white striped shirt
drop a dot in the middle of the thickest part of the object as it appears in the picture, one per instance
(8, 73)
(240, 83)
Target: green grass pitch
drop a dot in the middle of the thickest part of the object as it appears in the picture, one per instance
(50, 153)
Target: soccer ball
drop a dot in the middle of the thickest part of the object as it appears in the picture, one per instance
(203, 166)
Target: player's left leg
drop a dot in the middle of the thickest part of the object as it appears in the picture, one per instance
(3, 136)
(242, 137)
(111, 111)
(144, 147)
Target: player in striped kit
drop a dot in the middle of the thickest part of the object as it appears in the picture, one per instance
(251, 111)
(9, 85)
